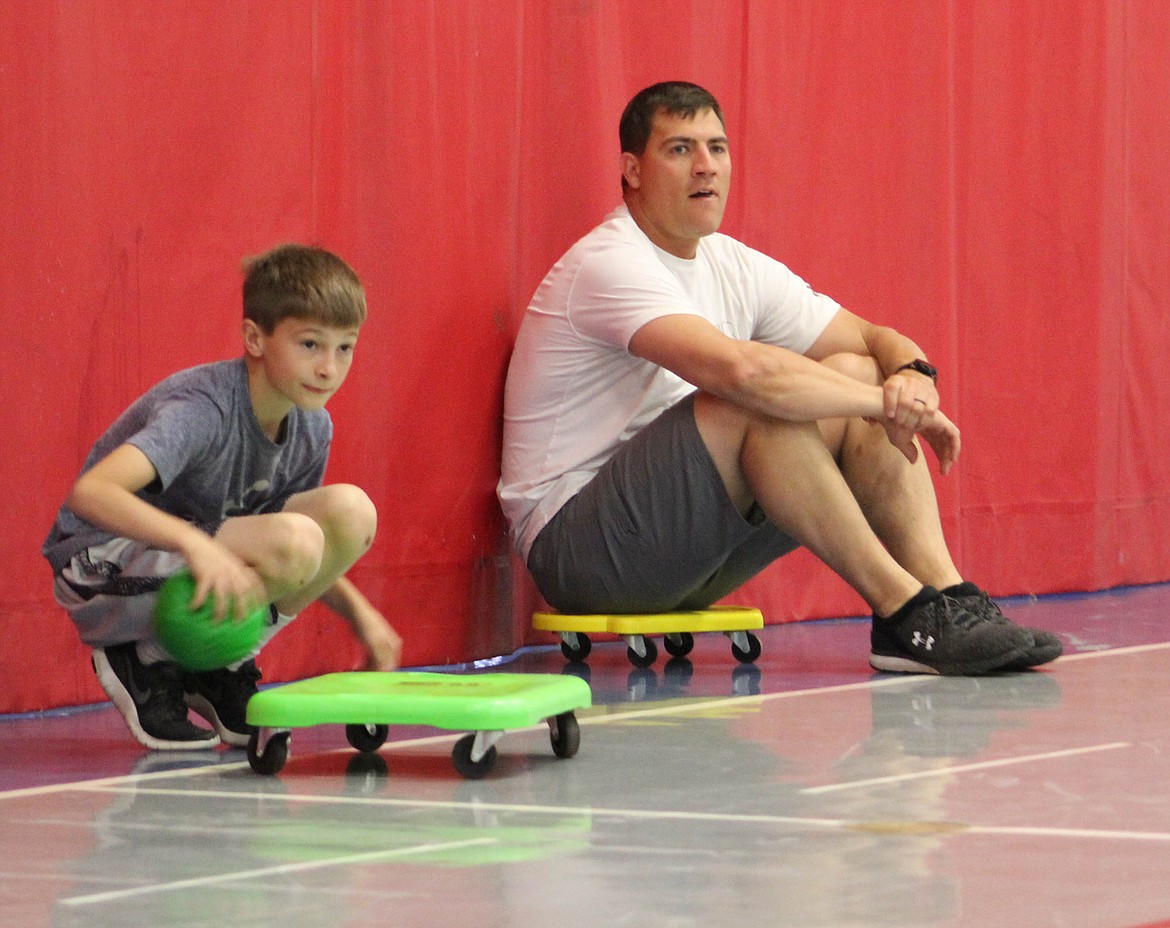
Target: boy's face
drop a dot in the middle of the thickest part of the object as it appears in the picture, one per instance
(303, 361)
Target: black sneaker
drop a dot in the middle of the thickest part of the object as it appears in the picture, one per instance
(1046, 647)
(221, 697)
(934, 634)
(150, 698)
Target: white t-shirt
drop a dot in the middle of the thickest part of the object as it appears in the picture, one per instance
(574, 392)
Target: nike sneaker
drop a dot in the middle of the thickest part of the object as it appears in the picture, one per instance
(150, 698)
(221, 697)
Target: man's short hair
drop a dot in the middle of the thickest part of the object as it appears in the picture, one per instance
(678, 98)
(302, 282)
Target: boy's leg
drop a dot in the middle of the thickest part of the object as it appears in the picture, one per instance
(348, 522)
(305, 548)
(299, 553)
(109, 591)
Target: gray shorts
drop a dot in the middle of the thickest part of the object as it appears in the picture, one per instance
(654, 531)
(109, 590)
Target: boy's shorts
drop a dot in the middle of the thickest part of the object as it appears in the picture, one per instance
(109, 590)
(654, 531)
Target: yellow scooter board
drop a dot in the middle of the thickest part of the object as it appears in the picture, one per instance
(367, 703)
(676, 627)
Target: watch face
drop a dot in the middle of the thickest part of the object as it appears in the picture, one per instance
(922, 367)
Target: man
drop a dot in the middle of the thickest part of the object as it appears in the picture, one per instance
(682, 410)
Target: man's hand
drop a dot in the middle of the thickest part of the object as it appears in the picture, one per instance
(911, 408)
(939, 432)
(909, 399)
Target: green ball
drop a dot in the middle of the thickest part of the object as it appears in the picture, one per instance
(192, 636)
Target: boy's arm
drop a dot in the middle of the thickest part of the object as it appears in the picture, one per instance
(381, 641)
(105, 496)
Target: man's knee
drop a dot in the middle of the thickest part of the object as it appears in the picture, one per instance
(857, 366)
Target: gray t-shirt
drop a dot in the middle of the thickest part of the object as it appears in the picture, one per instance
(198, 429)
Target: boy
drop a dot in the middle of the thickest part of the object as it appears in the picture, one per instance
(219, 468)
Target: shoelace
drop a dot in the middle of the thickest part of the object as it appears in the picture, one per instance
(962, 617)
(983, 604)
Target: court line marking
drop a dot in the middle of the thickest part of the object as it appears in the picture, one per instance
(680, 708)
(367, 857)
(965, 768)
(598, 719)
(1113, 652)
(480, 806)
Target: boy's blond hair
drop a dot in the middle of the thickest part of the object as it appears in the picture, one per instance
(302, 282)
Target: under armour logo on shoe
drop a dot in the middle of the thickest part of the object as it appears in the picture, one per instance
(927, 642)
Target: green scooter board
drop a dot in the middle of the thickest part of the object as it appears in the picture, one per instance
(367, 703)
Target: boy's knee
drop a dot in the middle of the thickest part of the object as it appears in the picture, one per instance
(296, 545)
(349, 515)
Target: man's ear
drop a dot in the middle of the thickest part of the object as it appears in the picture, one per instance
(631, 169)
(253, 338)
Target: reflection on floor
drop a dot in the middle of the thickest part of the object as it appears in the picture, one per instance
(805, 791)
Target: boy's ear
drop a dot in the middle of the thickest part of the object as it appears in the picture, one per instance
(253, 338)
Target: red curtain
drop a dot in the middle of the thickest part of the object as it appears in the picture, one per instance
(989, 177)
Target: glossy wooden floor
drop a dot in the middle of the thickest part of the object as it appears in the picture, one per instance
(807, 791)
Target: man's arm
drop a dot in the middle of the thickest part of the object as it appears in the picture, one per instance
(764, 378)
(105, 496)
(781, 383)
(903, 388)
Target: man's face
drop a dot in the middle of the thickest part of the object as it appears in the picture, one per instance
(677, 188)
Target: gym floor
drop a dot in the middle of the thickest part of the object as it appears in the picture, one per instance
(805, 790)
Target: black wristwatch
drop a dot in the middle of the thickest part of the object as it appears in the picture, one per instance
(922, 367)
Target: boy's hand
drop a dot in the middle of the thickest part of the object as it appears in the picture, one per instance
(383, 645)
(236, 589)
(385, 650)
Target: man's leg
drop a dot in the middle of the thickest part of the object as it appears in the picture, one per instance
(792, 471)
(897, 497)
(654, 530)
(899, 501)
